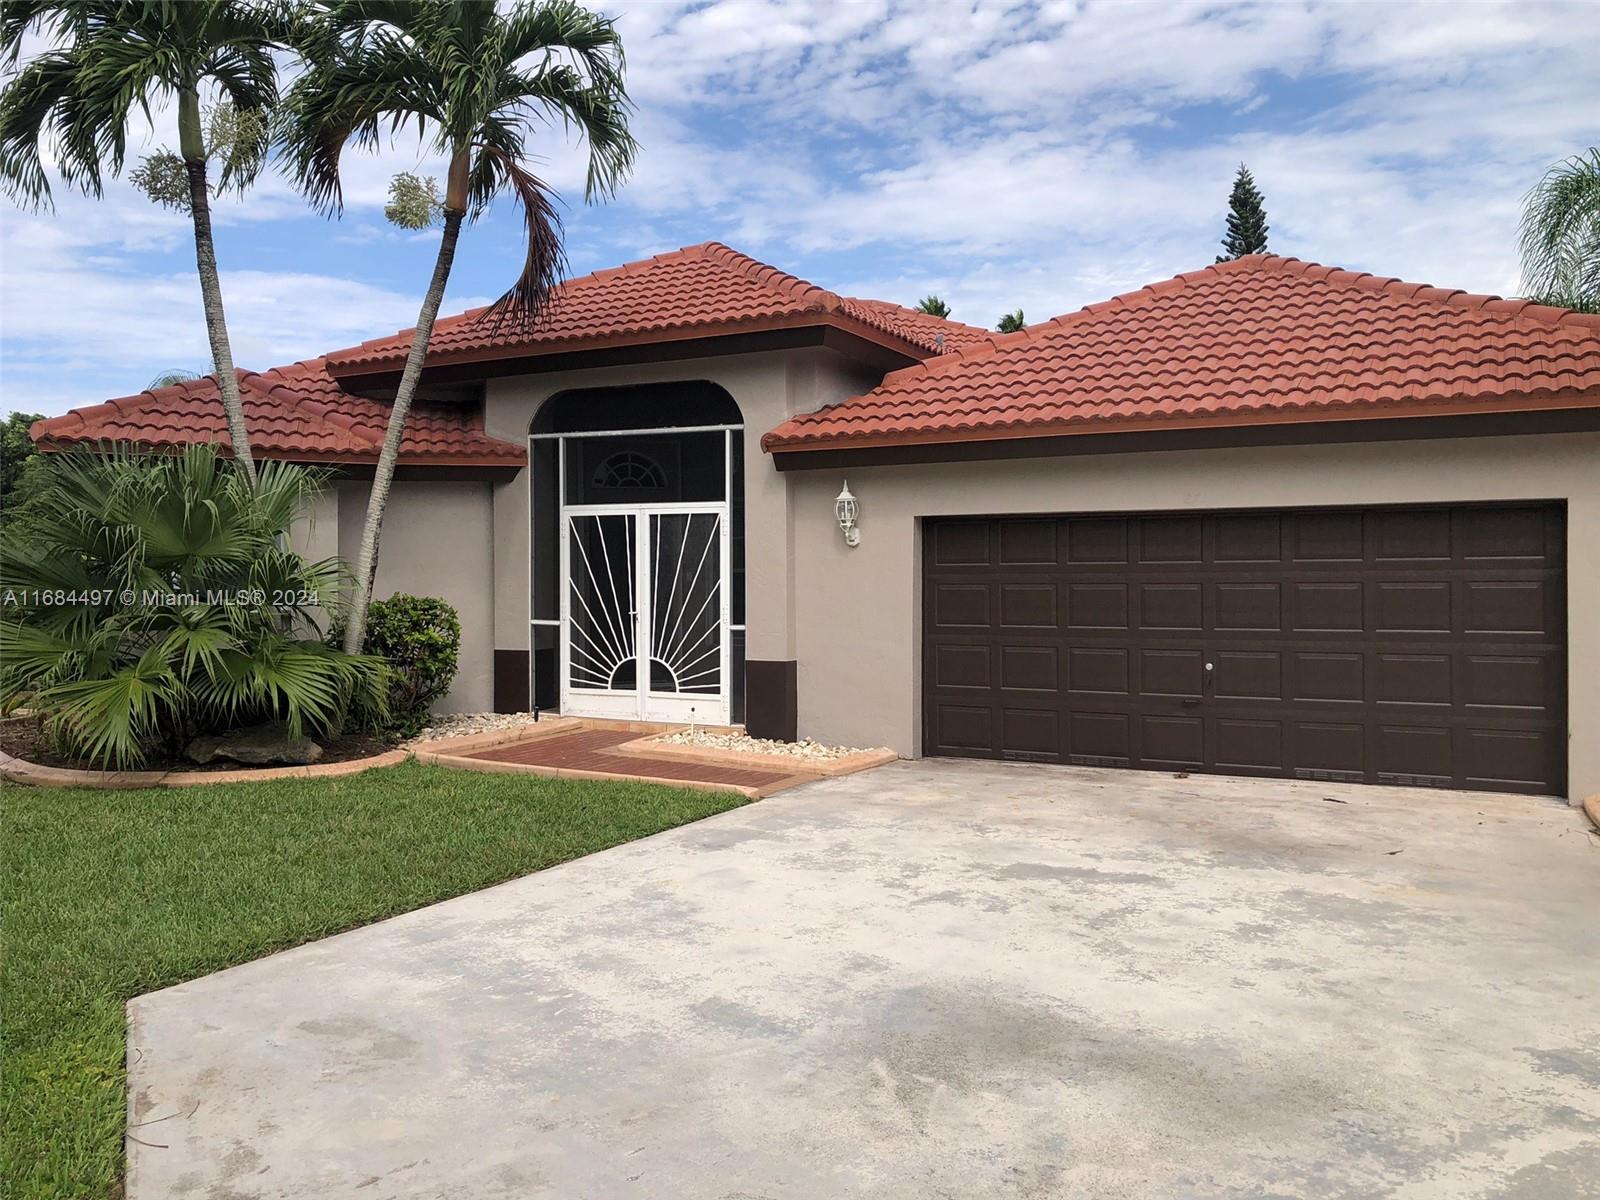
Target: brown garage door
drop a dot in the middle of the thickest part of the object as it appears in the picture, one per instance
(1394, 645)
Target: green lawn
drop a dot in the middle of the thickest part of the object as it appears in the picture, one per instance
(110, 894)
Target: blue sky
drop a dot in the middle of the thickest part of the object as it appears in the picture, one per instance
(1044, 155)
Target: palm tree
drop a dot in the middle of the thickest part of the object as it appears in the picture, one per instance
(933, 306)
(1012, 322)
(1561, 235)
(474, 81)
(111, 61)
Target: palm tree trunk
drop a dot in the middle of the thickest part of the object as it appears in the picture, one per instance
(205, 254)
(355, 630)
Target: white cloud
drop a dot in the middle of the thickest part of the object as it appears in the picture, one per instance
(72, 320)
(1002, 153)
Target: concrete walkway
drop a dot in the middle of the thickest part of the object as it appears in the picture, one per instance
(933, 980)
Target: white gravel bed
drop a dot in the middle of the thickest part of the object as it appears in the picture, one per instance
(451, 725)
(744, 743)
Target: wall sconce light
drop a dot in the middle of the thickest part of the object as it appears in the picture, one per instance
(847, 509)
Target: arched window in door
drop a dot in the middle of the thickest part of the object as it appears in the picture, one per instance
(629, 470)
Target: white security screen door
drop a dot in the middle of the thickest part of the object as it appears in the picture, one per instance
(645, 608)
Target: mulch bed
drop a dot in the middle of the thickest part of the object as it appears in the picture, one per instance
(21, 738)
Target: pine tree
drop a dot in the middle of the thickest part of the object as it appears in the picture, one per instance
(933, 306)
(1247, 219)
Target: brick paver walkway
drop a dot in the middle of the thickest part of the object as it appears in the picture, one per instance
(594, 750)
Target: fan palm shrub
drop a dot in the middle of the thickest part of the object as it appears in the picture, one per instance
(154, 598)
(1561, 234)
(475, 80)
(107, 63)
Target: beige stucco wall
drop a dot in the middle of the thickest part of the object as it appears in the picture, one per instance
(437, 541)
(315, 532)
(768, 388)
(857, 612)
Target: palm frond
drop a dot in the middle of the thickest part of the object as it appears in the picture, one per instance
(545, 261)
(112, 719)
(1561, 233)
(355, 91)
(33, 108)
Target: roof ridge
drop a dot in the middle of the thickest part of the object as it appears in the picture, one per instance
(915, 312)
(774, 279)
(120, 405)
(1514, 307)
(770, 276)
(1136, 298)
(1450, 298)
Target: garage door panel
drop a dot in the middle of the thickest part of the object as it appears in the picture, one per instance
(1329, 677)
(1504, 535)
(1248, 745)
(1171, 606)
(1506, 606)
(1410, 535)
(1510, 682)
(1028, 543)
(1249, 537)
(1326, 607)
(1412, 606)
(1028, 605)
(1030, 668)
(1327, 538)
(1171, 741)
(1412, 679)
(1507, 757)
(1329, 750)
(1032, 733)
(1097, 606)
(965, 727)
(1093, 540)
(1171, 540)
(961, 605)
(1103, 736)
(1419, 646)
(1102, 669)
(961, 543)
(1419, 754)
(1248, 675)
(1172, 672)
(958, 666)
(1248, 606)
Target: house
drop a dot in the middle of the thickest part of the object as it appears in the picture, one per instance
(1267, 518)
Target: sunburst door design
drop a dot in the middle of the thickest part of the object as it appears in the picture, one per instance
(646, 613)
(686, 603)
(602, 583)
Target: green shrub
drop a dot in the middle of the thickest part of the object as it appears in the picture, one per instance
(420, 636)
(151, 598)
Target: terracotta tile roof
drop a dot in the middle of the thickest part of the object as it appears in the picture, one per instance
(1259, 340)
(698, 291)
(296, 412)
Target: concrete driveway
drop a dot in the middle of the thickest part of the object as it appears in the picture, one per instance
(933, 980)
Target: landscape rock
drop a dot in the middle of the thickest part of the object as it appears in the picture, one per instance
(259, 745)
(745, 744)
(453, 725)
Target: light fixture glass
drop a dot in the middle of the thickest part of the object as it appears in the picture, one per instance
(847, 509)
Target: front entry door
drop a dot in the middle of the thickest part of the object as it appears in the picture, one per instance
(645, 613)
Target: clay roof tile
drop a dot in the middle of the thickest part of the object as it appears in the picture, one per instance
(1258, 339)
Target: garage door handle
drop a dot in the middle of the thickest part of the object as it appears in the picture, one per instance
(1191, 701)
